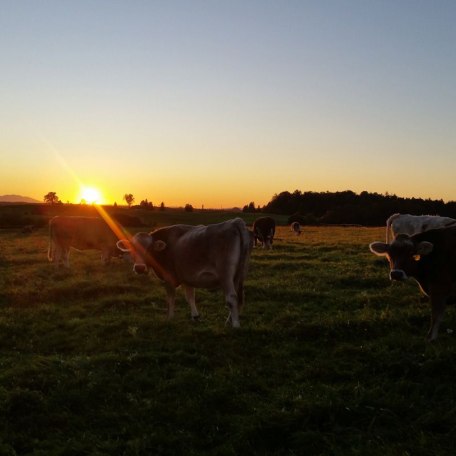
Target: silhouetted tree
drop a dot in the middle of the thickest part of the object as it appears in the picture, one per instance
(51, 198)
(162, 206)
(188, 208)
(129, 198)
(146, 204)
(349, 208)
(249, 208)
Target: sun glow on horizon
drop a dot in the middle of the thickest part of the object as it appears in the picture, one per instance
(90, 195)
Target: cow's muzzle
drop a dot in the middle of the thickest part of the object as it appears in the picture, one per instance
(140, 268)
(397, 274)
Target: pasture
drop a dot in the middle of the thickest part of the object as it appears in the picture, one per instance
(330, 358)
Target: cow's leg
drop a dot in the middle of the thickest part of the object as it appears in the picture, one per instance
(59, 256)
(231, 299)
(170, 299)
(190, 298)
(66, 257)
(57, 253)
(51, 251)
(240, 295)
(437, 310)
(106, 257)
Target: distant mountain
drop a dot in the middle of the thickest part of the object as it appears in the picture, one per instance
(17, 199)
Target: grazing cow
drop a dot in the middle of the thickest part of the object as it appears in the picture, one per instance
(212, 256)
(296, 228)
(263, 231)
(413, 224)
(429, 258)
(80, 233)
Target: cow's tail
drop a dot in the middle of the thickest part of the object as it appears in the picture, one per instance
(388, 227)
(51, 246)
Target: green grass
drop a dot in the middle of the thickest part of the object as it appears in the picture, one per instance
(330, 357)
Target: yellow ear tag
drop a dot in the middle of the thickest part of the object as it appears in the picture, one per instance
(417, 257)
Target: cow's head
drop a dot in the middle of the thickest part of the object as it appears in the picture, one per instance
(296, 227)
(403, 255)
(141, 249)
(265, 237)
(268, 239)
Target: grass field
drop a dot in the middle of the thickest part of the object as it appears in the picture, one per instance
(330, 357)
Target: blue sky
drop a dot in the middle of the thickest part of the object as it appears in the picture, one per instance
(220, 103)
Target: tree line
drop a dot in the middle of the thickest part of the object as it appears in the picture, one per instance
(348, 207)
(314, 208)
(52, 198)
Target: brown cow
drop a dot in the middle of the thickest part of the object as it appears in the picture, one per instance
(263, 231)
(212, 256)
(80, 233)
(429, 258)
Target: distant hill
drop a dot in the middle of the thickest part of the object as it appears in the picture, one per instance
(17, 199)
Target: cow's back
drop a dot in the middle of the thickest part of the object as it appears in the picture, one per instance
(82, 232)
(95, 234)
(264, 224)
(196, 249)
(212, 242)
(434, 222)
(406, 224)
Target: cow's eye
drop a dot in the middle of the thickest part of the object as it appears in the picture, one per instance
(417, 257)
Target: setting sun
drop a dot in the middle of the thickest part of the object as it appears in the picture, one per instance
(90, 195)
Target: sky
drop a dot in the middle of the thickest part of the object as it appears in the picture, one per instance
(218, 103)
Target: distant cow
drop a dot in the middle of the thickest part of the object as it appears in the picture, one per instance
(296, 228)
(429, 258)
(413, 224)
(263, 231)
(212, 256)
(80, 233)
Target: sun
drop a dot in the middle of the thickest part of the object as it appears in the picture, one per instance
(90, 195)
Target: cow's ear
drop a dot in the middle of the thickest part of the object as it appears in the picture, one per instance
(379, 248)
(124, 245)
(424, 248)
(159, 245)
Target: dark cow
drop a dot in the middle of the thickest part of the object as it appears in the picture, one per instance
(80, 233)
(212, 256)
(429, 258)
(263, 231)
(296, 228)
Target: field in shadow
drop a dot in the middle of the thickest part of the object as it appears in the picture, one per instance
(330, 357)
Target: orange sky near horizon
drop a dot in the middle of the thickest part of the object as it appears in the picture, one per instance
(236, 188)
(230, 178)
